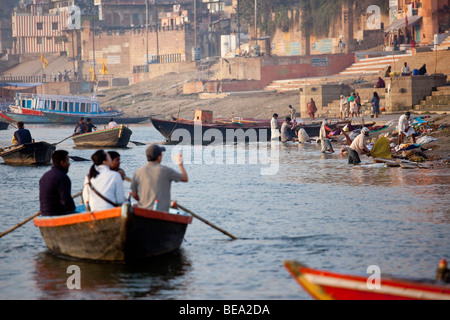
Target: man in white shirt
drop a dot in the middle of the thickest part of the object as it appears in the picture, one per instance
(405, 127)
(275, 133)
(358, 147)
(405, 70)
(112, 124)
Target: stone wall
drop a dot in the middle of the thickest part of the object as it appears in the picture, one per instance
(323, 94)
(159, 69)
(124, 49)
(405, 92)
(65, 88)
(268, 69)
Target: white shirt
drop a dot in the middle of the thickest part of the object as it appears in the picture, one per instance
(405, 69)
(273, 123)
(404, 123)
(359, 144)
(322, 132)
(109, 184)
(112, 124)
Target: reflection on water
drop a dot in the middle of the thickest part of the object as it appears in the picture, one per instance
(314, 208)
(110, 281)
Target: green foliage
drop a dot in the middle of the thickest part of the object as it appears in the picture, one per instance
(318, 15)
(264, 12)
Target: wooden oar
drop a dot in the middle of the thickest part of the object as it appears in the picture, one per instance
(206, 221)
(76, 158)
(62, 140)
(138, 143)
(30, 218)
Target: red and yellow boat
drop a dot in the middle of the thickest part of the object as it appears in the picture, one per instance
(325, 285)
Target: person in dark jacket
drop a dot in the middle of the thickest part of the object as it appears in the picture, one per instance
(423, 70)
(22, 135)
(80, 127)
(55, 195)
(90, 125)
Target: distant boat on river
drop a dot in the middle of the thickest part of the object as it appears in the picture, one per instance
(41, 108)
(117, 137)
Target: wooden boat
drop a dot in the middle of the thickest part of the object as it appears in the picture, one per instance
(325, 285)
(4, 125)
(201, 132)
(120, 234)
(35, 153)
(117, 137)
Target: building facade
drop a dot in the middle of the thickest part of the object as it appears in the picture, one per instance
(418, 20)
(37, 32)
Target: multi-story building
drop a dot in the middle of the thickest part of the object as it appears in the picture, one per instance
(418, 20)
(39, 33)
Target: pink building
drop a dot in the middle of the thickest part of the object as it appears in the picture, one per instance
(39, 33)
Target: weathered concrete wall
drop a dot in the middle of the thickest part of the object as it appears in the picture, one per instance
(323, 94)
(65, 88)
(405, 92)
(268, 69)
(240, 69)
(157, 70)
(121, 51)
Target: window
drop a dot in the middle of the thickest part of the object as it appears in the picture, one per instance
(40, 26)
(64, 106)
(54, 25)
(83, 107)
(71, 109)
(39, 40)
(52, 105)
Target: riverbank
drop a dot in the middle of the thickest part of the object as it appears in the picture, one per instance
(163, 98)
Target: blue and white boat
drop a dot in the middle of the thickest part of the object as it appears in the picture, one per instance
(31, 108)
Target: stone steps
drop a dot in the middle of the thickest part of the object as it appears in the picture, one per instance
(438, 101)
(373, 65)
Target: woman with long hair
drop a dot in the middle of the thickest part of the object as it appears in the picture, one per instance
(375, 104)
(103, 187)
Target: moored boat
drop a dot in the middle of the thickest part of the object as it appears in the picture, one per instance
(30, 108)
(4, 125)
(204, 129)
(198, 132)
(120, 234)
(117, 137)
(35, 153)
(325, 285)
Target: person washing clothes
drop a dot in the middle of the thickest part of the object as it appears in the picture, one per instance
(323, 136)
(358, 147)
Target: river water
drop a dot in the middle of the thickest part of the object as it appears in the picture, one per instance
(312, 207)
